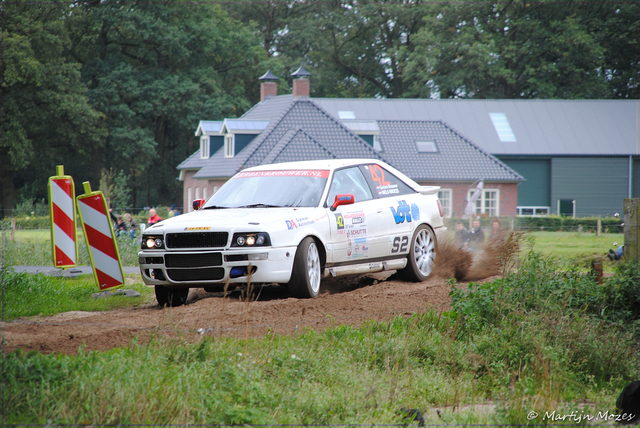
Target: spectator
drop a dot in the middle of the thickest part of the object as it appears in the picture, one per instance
(617, 254)
(462, 234)
(131, 224)
(497, 233)
(153, 217)
(476, 235)
(120, 227)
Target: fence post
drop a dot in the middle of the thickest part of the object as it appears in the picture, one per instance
(631, 224)
(598, 227)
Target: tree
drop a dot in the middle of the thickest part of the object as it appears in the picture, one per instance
(154, 69)
(45, 112)
(510, 49)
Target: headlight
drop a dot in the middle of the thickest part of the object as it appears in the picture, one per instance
(251, 239)
(152, 242)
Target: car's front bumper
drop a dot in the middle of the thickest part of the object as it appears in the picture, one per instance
(202, 268)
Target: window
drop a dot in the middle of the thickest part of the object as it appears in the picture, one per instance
(204, 147)
(502, 127)
(189, 199)
(426, 147)
(488, 203)
(349, 180)
(205, 192)
(229, 149)
(384, 184)
(346, 114)
(215, 189)
(446, 201)
(198, 193)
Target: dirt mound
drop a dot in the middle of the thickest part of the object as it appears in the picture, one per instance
(345, 300)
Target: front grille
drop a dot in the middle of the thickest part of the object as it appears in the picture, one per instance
(197, 240)
(193, 260)
(209, 274)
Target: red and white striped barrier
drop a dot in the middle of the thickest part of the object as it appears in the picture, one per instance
(62, 207)
(98, 232)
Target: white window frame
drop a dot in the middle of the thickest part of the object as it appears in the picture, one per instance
(204, 147)
(485, 198)
(205, 192)
(198, 193)
(215, 189)
(189, 199)
(229, 145)
(446, 200)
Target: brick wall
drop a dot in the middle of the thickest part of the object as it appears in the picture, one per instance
(197, 187)
(508, 196)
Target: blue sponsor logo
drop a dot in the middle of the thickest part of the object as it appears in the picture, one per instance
(415, 212)
(402, 213)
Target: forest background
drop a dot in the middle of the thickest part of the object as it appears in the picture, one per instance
(114, 89)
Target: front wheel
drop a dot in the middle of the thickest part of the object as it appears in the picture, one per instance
(306, 275)
(171, 297)
(422, 255)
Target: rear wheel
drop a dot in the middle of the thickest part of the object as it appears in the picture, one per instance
(171, 297)
(306, 275)
(422, 255)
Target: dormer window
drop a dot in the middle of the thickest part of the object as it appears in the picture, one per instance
(426, 147)
(229, 146)
(204, 147)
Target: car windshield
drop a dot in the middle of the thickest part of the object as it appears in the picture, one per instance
(265, 189)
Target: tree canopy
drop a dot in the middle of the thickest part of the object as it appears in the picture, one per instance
(116, 88)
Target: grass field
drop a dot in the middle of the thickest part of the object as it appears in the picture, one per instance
(536, 341)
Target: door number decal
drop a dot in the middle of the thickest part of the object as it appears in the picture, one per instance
(400, 244)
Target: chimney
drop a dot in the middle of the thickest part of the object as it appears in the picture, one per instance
(268, 87)
(301, 84)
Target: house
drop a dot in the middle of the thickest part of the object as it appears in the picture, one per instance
(297, 127)
(579, 157)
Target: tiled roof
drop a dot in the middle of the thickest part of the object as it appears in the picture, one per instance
(193, 162)
(456, 158)
(302, 131)
(540, 127)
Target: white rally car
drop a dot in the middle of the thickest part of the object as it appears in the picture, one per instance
(295, 223)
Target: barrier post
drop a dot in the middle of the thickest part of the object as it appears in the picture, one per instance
(101, 242)
(62, 209)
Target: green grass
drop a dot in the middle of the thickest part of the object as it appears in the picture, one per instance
(33, 248)
(545, 338)
(574, 245)
(29, 295)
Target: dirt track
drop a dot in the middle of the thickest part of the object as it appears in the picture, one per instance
(346, 300)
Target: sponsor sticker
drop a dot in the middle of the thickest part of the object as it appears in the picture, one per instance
(198, 228)
(403, 212)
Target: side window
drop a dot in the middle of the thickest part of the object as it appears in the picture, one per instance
(384, 184)
(349, 180)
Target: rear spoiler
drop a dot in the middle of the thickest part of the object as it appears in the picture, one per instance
(428, 190)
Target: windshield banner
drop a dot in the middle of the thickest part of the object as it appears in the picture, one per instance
(284, 173)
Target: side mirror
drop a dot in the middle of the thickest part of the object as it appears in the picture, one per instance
(343, 199)
(197, 204)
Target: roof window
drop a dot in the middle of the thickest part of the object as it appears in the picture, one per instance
(426, 147)
(501, 124)
(346, 114)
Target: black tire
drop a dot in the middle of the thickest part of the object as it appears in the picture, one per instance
(171, 297)
(422, 255)
(307, 270)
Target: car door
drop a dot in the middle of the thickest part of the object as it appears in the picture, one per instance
(399, 214)
(356, 229)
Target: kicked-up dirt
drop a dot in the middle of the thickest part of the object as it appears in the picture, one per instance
(343, 300)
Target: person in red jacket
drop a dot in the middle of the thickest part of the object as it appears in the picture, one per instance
(153, 217)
